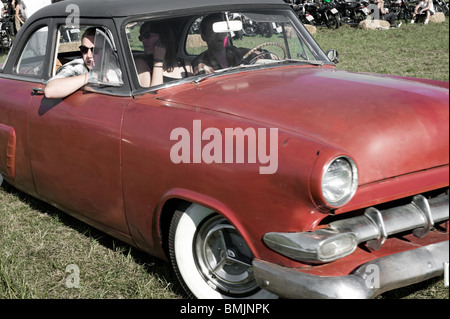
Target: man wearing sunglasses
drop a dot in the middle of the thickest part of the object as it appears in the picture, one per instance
(75, 74)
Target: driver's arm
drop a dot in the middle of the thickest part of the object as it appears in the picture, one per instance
(62, 87)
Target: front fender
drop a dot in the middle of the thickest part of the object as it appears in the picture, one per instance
(202, 200)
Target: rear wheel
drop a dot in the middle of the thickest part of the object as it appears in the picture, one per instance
(210, 257)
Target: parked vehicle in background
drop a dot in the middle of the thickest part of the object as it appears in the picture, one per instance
(352, 11)
(403, 9)
(325, 14)
(299, 8)
(277, 176)
(6, 32)
(441, 6)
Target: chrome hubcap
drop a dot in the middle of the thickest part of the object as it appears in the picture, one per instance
(223, 258)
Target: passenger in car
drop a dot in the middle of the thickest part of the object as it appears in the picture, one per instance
(219, 54)
(73, 75)
(160, 64)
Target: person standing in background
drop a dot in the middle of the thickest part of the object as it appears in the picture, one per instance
(19, 12)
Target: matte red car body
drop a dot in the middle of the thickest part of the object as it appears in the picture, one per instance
(262, 104)
(115, 165)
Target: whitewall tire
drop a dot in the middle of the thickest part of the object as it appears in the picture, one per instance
(210, 257)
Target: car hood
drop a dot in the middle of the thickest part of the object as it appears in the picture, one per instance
(390, 126)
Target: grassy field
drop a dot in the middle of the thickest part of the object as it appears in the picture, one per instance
(411, 50)
(38, 243)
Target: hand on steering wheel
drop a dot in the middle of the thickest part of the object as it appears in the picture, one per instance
(250, 52)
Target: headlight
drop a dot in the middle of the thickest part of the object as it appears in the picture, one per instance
(339, 181)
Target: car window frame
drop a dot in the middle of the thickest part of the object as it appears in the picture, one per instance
(136, 88)
(109, 24)
(18, 47)
(122, 23)
(19, 63)
(53, 24)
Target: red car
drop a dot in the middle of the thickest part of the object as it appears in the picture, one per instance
(273, 174)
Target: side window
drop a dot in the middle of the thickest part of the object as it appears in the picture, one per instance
(154, 45)
(32, 59)
(106, 70)
(92, 47)
(194, 43)
(67, 47)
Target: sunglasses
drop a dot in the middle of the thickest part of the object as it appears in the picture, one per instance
(84, 49)
(146, 35)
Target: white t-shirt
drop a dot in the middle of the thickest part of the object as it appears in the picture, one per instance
(424, 4)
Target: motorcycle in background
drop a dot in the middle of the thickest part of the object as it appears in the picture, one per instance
(253, 28)
(352, 11)
(300, 10)
(324, 14)
(441, 6)
(402, 9)
(6, 32)
(69, 34)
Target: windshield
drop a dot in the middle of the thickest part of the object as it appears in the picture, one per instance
(173, 50)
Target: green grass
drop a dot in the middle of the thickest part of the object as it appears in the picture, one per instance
(38, 242)
(411, 50)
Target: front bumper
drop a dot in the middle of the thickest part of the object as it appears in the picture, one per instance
(342, 237)
(367, 281)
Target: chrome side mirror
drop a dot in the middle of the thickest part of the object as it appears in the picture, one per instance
(333, 56)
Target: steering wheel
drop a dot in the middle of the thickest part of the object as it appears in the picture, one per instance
(250, 52)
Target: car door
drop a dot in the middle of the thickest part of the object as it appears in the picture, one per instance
(74, 146)
(20, 74)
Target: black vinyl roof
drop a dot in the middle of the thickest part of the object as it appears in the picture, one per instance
(124, 8)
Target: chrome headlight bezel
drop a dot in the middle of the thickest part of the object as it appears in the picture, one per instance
(348, 170)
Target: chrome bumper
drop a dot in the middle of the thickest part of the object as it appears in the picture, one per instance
(342, 237)
(367, 281)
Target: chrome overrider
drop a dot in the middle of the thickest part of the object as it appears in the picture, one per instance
(341, 239)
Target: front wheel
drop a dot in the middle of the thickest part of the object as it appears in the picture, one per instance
(333, 21)
(210, 257)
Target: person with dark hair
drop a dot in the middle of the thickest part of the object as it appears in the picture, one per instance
(160, 64)
(219, 54)
(75, 74)
(20, 17)
(386, 15)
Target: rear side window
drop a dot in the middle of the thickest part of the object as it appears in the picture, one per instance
(31, 62)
